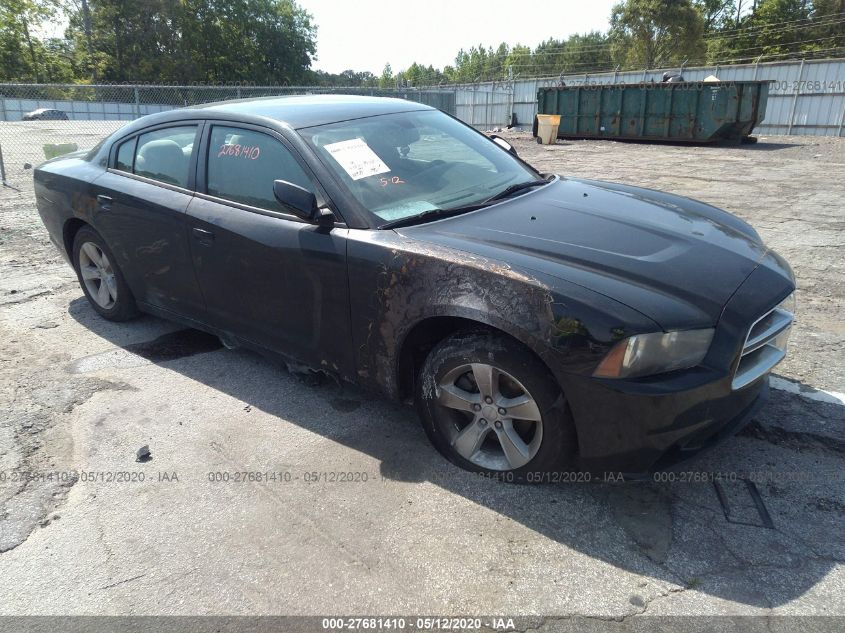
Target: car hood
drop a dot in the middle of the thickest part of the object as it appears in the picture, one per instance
(673, 259)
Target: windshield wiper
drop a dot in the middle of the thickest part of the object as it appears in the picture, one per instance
(433, 214)
(430, 214)
(504, 193)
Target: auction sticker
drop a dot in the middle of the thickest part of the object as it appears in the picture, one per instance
(356, 157)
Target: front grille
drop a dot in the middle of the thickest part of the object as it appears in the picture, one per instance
(765, 346)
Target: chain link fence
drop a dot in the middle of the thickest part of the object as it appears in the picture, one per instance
(805, 97)
(40, 121)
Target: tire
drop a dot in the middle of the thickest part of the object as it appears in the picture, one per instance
(455, 412)
(96, 267)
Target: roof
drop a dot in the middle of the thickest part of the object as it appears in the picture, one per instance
(301, 111)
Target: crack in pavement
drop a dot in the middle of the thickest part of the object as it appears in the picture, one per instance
(795, 440)
(123, 582)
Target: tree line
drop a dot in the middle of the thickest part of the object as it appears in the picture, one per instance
(163, 41)
(657, 34)
(274, 42)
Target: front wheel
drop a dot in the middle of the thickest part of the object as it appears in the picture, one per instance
(490, 406)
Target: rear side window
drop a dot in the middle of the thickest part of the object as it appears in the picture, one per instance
(165, 155)
(242, 165)
(126, 155)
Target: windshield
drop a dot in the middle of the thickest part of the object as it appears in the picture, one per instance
(401, 165)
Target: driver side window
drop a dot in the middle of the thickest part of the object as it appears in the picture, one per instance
(242, 165)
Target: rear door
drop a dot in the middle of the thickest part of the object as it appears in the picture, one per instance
(267, 276)
(141, 203)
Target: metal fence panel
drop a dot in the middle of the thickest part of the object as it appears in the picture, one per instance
(484, 106)
(83, 102)
(82, 110)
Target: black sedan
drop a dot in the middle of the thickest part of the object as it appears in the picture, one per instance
(46, 114)
(540, 324)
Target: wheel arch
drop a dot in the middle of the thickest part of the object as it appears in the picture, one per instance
(69, 230)
(421, 338)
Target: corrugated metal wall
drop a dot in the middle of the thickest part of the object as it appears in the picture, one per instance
(14, 109)
(127, 102)
(806, 97)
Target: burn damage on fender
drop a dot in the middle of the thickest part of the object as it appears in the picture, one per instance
(397, 285)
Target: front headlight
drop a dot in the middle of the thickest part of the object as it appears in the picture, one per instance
(646, 354)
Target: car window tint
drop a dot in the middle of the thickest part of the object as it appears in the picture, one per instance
(125, 154)
(165, 155)
(242, 165)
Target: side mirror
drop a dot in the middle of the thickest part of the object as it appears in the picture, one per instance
(498, 140)
(301, 202)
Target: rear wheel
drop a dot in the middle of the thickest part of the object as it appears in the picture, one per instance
(490, 406)
(100, 278)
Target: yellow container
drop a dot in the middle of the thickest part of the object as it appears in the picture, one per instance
(547, 126)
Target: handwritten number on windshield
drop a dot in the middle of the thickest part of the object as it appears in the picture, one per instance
(396, 180)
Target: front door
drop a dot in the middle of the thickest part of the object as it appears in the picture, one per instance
(267, 276)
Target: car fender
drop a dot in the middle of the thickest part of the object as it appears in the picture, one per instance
(397, 283)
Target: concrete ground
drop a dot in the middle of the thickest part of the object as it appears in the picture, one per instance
(349, 510)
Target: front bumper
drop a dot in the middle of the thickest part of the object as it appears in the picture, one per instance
(712, 436)
(637, 433)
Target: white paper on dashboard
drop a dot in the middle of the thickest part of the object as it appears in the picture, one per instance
(356, 157)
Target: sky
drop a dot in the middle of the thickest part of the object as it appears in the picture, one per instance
(365, 34)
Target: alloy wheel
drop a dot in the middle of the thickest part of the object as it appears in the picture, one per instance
(97, 275)
(494, 422)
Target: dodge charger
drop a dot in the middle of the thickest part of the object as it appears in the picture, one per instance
(538, 323)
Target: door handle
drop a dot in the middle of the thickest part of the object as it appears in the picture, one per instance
(104, 202)
(203, 236)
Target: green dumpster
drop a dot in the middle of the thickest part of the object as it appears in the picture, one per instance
(695, 111)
